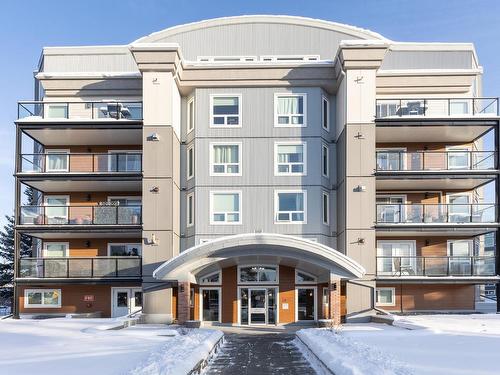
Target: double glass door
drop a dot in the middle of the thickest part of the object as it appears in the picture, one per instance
(258, 306)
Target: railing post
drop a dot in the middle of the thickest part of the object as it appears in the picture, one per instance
(471, 266)
(116, 267)
(400, 108)
(91, 268)
(67, 268)
(448, 266)
(425, 105)
(424, 272)
(43, 268)
(449, 109)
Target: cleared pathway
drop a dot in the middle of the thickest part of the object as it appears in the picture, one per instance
(260, 354)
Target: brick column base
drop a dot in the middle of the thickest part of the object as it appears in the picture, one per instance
(334, 305)
(183, 302)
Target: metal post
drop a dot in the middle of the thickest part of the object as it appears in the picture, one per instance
(17, 237)
(497, 195)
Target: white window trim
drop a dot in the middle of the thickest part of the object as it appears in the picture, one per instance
(108, 246)
(44, 250)
(211, 163)
(315, 281)
(276, 124)
(239, 115)
(297, 302)
(304, 155)
(323, 100)
(324, 146)
(239, 282)
(276, 205)
(219, 272)
(188, 115)
(56, 196)
(201, 301)
(469, 241)
(189, 224)
(393, 296)
(465, 149)
(327, 195)
(189, 148)
(240, 194)
(41, 306)
(57, 151)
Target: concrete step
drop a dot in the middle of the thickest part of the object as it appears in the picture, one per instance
(486, 307)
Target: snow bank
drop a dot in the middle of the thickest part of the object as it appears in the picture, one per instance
(182, 357)
(344, 356)
(487, 324)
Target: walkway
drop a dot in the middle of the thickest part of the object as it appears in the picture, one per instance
(259, 354)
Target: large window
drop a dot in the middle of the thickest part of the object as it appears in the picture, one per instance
(290, 158)
(42, 298)
(225, 111)
(212, 278)
(386, 296)
(190, 115)
(257, 274)
(225, 159)
(190, 209)
(190, 162)
(55, 249)
(124, 249)
(225, 207)
(325, 162)
(290, 110)
(290, 207)
(325, 113)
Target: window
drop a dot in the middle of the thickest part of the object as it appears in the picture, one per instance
(325, 163)
(326, 208)
(290, 110)
(225, 207)
(124, 249)
(56, 210)
(225, 159)
(44, 298)
(459, 208)
(126, 201)
(190, 115)
(57, 110)
(460, 248)
(394, 159)
(55, 249)
(302, 277)
(460, 263)
(396, 258)
(190, 162)
(190, 209)
(290, 207)
(391, 208)
(212, 278)
(290, 159)
(325, 113)
(56, 160)
(225, 111)
(386, 296)
(257, 274)
(124, 161)
(458, 157)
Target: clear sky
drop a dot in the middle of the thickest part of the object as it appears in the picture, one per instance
(28, 25)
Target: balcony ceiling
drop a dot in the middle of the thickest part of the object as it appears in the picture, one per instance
(429, 133)
(84, 233)
(92, 184)
(68, 137)
(419, 182)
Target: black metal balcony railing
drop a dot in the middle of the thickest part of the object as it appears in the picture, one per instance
(81, 215)
(435, 160)
(437, 107)
(76, 267)
(436, 213)
(81, 162)
(117, 110)
(436, 266)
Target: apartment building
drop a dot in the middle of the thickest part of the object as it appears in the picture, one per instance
(257, 170)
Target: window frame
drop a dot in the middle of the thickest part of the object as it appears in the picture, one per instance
(239, 115)
(393, 296)
(275, 266)
(289, 125)
(212, 154)
(324, 100)
(57, 151)
(297, 271)
(27, 305)
(190, 213)
(44, 248)
(190, 173)
(190, 116)
(464, 240)
(327, 196)
(109, 244)
(324, 147)
(215, 192)
(276, 207)
(304, 158)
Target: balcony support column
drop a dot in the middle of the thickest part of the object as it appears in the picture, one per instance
(17, 237)
(497, 213)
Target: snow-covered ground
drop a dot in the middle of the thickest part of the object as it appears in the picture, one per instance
(81, 346)
(435, 344)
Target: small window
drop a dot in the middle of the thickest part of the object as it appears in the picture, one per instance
(190, 209)
(326, 208)
(325, 113)
(190, 162)
(225, 111)
(304, 278)
(124, 249)
(290, 159)
(55, 249)
(386, 296)
(225, 208)
(225, 159)
(42, 298)
(258, 274)
(290, 207)
(290, 110)
(325, 163)
(190, 115)
(213, 278)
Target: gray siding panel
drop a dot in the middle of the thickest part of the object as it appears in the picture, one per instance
(91, 62)
(427, 60)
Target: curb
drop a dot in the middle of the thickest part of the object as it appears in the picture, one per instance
(318, 362)
(202, 364)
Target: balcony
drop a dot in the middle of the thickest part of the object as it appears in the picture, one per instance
(128, 267)
(79, 111)
(435, 266)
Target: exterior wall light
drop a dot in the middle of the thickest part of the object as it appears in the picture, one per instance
(155, 137)
(155, 189)
(361, 241)
(360, 189)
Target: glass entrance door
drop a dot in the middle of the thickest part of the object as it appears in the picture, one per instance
(258, 306)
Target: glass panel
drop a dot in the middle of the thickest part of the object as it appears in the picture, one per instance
(290, 201)
(122, 299)
(384, 296)
(58, 111)
(305, 304)
(226, 202)
(267, 274)
(210, 303)
(225, 105)
(458, 160)
(56, 162)
(244, 306)
(34, 298)
(138, 299)
(248, 274)
(271, 306)
(128, 267)
(302, 277)
(290, 105)
(56, 268)
(214, 278)
(55, 250)
(226, 154)
(51, 298)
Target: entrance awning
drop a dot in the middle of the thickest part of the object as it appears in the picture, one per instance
(259, 248)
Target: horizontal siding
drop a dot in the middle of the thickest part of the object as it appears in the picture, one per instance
(90, 62)
(427, 60)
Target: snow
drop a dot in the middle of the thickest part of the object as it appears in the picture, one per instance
(83, 346)
(419, 345)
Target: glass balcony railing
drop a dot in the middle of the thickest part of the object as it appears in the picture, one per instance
(438, 266)
(76, 267)
(435, 160)
(114, 110)
(81, 215)
(436, 213)
(56, 162)
(437, 107)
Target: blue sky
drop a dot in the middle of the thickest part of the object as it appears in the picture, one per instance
(26, 26)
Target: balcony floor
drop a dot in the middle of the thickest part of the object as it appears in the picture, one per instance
(431, 229)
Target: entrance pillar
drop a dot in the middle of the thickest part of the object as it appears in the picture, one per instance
(334, 297)
(183, 303)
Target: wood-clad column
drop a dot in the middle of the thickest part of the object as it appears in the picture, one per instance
(334, 300)
(183, 302)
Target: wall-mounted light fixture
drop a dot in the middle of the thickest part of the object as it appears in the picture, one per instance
(361, 241)
(155, 189)
(87, 244)
(155, 137)
(360, 189)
